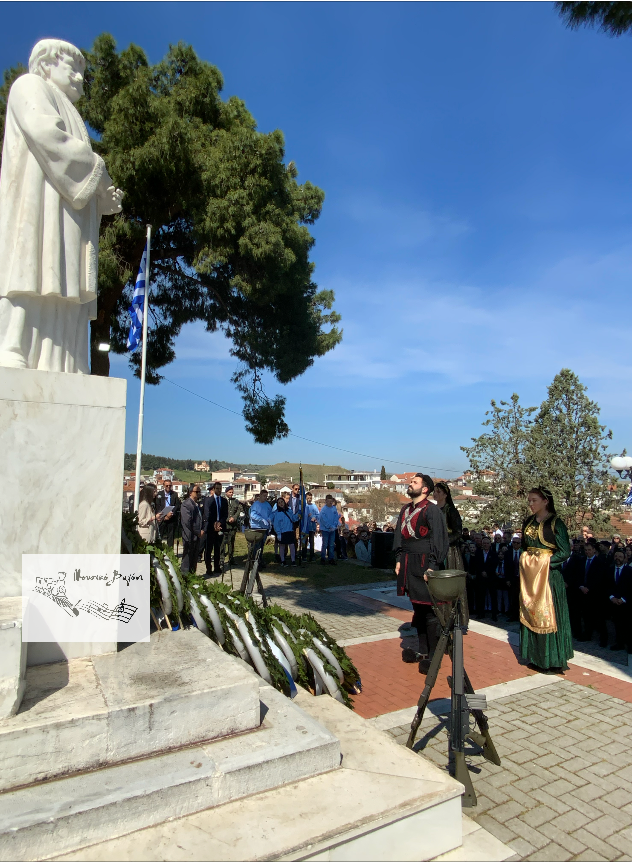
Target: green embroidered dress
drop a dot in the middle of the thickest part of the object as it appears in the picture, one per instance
(549, 650)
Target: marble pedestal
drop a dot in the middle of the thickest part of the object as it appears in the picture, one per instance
(62, 444)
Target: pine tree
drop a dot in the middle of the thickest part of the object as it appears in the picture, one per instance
(562, 447)
(383, 473)
(568, 450)
(231, 243)
(611, 18)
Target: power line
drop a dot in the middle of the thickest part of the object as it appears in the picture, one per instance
(320, 443)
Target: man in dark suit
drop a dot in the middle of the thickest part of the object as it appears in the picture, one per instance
(191, 528)
(168, 498)
(619, 596)
(573, 573)
(468, 563)
(512, 576)
(589, 594)
(485, 563)
(214, 519)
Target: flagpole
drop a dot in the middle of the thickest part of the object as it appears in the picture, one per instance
(143, 367)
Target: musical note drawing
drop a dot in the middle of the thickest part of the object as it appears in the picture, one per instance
(55, 589)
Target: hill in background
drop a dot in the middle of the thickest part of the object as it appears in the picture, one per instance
(311, 473)
(184, 468)
(151, 463)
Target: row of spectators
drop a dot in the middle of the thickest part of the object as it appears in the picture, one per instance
(597, 577)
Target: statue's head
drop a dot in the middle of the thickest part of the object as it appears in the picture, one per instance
(61, 63)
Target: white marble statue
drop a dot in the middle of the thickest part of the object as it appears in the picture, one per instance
(53, 192)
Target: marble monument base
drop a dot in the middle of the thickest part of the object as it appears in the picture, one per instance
(62, 445)
(104, 746)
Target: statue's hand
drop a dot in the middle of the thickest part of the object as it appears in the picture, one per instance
(110, 201)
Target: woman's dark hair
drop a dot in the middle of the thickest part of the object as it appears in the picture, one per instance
(545, 493)
(147, 493)
(279, 502)
(446, 491)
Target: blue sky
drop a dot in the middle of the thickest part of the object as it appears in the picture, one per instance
(477, 227)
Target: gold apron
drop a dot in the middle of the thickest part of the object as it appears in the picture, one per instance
(536, 598)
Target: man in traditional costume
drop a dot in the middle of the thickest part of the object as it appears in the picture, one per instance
(53, 191)
(420, 545)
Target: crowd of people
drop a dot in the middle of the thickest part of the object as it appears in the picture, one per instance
(596, 575)
(210, 522)
(597, 578)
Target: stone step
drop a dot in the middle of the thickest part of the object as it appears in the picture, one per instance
(384, 803)
(176, 690)
(53, 818)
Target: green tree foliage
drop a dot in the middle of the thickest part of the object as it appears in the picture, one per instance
(383, 473)
(261, 478)
(611, 18)
(503, 450)
(561, 445)
(568, 447)
(231, 242)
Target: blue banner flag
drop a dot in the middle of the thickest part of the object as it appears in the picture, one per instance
(628, 500)
(137, 309)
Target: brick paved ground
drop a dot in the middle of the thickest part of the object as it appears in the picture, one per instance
(564, 790)
(591, 647)
(389, 684)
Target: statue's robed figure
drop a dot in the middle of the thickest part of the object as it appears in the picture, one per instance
(53, 191)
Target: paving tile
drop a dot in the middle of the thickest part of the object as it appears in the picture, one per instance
(562, 838)
(622, 841)
(618, 798)
(538, 816)
(589, 792)
(607, 825)
(588, 811)
(554, 803)
(560, 787)
(551, 852)
(595, 843)
(597, 780)
(508, 810)
(570, 821)
(590, 855)
(521, 846)
(501, 832)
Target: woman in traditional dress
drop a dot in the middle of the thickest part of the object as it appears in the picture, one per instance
(545, 630)
(443, 497)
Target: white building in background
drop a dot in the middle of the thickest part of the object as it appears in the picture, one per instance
(246, 475)
(354, 481)
(201, 466)
(223, 476)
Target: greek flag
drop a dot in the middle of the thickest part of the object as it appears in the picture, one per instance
(137, 309)
(628, 500)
